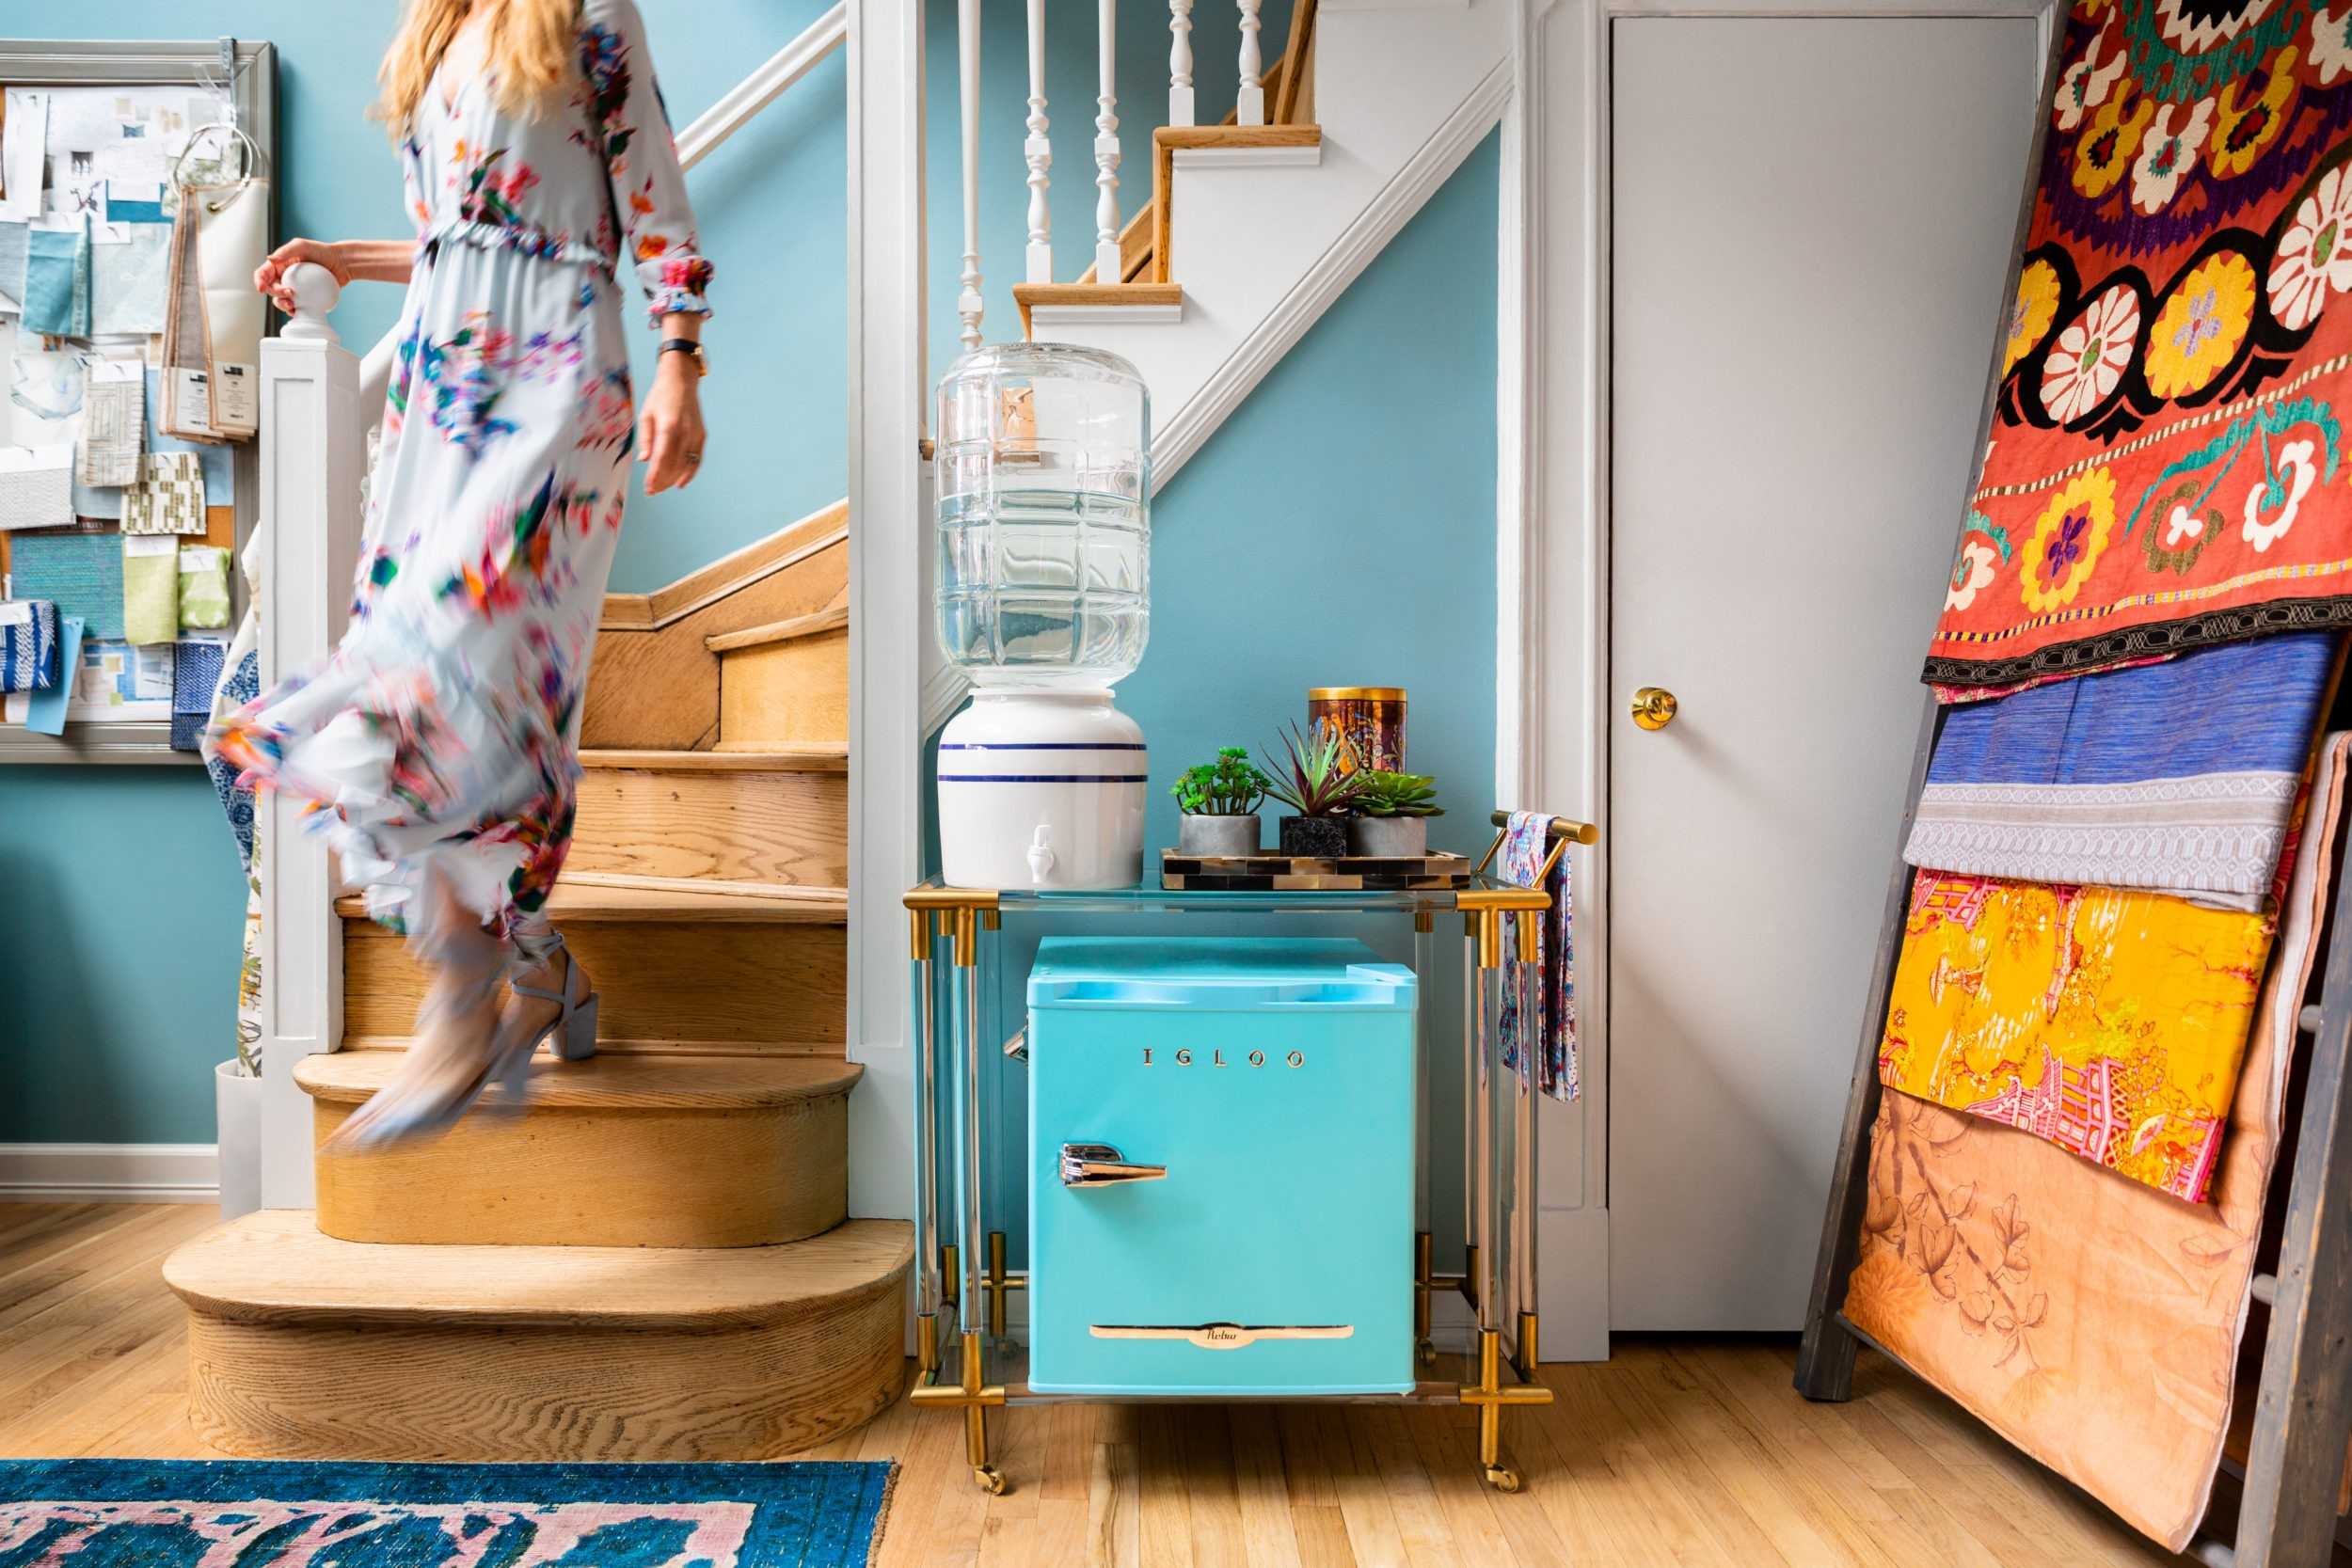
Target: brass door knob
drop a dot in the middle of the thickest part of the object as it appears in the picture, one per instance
(1654, 708)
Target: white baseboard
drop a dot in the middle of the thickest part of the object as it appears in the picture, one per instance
(109, 1173)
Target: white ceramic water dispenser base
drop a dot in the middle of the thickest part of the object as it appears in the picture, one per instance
(1042, 789)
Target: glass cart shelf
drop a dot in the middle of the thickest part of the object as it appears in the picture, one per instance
(961, 1280)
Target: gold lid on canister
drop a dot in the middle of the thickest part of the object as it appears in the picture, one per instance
(1354, 693)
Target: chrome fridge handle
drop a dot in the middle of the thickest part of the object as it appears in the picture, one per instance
(1101, 1166)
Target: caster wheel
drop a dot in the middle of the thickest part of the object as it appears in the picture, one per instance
(1503, 1478)
(1428, 1354)
(991, 1479)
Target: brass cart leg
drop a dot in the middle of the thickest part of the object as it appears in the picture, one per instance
(974, 1399)
(1489, 1394)
(1425, 1348)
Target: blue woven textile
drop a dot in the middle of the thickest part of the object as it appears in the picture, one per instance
(2177, 777)
(56, 283)
(119, 1512)
(195, 670)
(28, 646)
(80, 573)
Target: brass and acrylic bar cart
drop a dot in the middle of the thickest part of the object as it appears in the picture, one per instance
(963, 1282)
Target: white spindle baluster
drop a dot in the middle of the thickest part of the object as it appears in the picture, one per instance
(1107, 268)
(1039, 153)
(968, 304)
(1249, 108)
(1180, 62)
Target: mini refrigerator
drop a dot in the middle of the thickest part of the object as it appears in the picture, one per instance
(1221, 1167)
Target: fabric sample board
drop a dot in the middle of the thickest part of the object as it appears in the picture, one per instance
(56, 283)
(36, 486)
(2094, 1323)
(168, 498)
(2167, 467)
(2110, 1022)
(28, 644)
(82, 573)
(2177, 776)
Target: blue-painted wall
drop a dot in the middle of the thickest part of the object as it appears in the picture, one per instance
(1339, 530)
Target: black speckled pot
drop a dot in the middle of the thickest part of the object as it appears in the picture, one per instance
(1315, 835)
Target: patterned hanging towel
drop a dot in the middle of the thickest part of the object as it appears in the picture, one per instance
(2167, 455)
(1545, 1043)
(28, 646)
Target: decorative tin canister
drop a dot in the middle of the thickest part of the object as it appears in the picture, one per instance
(1221, 1167)
(1044, 478)
(1371, 716)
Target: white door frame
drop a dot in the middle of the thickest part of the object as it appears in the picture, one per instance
(1552, 681)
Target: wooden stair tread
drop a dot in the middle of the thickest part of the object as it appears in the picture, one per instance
(624, 1083)
(798, 759)
(831, 618)
(274, 1266)
(579, 900)
(698, 1050)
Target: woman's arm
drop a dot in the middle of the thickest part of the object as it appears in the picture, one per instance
(366, 260)
(670, 430)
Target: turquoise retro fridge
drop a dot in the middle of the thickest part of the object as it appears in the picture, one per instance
(1221, 1167)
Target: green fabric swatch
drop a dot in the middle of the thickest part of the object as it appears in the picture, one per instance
(203, 587)
(151, 588)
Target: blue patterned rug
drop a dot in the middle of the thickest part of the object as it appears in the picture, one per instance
(234, 1514)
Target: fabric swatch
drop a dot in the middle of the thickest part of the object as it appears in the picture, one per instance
(196, 672)
(28, 644)
(151, 588)
(56, 283)
(2110, 1022)
(15, 246)
(2176, 777)
(2094, 1323)
(81, 573)
(129, 282)
(218, 461)
(168, 498)
(1540, 1046)
(36, 487)
(203, 588)
(113, 415)
(46, 713)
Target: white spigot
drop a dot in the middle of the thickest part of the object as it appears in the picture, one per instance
(1041, 855)
(314, 291)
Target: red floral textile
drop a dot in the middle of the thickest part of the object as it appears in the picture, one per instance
(2166, 463)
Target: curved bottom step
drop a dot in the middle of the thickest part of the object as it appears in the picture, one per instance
(301, 1346)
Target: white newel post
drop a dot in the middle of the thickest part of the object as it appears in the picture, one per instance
(1249, 107)
(311, 461)
(1180, 62)
(1039, 151)
(968, 302)
(1107, 268)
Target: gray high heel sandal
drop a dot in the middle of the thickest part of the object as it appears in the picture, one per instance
(573, 1031)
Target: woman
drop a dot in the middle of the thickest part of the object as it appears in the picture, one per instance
(438, 747)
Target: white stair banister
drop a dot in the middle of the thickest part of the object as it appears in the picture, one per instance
(1180, 62)
(968, 302)
(1106, 259)
(1249, 107)
(763, 86)
(1038, 152)
(312, 450)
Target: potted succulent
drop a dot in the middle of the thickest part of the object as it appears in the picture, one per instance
(1392, 812)
(1315, 785)
(1221, 803)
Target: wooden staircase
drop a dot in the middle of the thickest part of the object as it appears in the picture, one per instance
(653, 1259)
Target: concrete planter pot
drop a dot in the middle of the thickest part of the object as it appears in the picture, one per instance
(1217, 836)
(1389, 836)
(1325, 836)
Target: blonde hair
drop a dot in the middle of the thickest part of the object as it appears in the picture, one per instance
(529, 54)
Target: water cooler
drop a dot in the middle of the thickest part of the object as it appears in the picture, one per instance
(1043, 483)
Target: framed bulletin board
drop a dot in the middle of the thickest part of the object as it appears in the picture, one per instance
(138, 103)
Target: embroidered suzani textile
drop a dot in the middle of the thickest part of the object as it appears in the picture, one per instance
(2178, 777)
(2167, 467)
(1539, 1040)
(2108, 1023)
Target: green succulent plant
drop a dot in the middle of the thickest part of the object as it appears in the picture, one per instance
(1308, 779)
(1230, 786)
(1397, 795)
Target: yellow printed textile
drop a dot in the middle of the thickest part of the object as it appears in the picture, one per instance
(2110, 1022)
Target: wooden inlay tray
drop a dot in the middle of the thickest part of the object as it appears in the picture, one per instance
(1269, 873)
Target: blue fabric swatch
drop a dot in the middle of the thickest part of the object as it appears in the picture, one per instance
(81, 572)
(28, 647)
(44, 712)
(56, 283)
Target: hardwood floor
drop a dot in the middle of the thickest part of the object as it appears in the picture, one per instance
(1679, 1452)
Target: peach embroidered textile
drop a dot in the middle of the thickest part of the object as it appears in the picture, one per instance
(2110, 1022)
(2092, 1322)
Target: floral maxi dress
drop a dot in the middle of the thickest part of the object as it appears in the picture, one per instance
(441, 741)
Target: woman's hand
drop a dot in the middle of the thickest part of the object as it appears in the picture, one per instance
(670, 425)
(270, 276)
